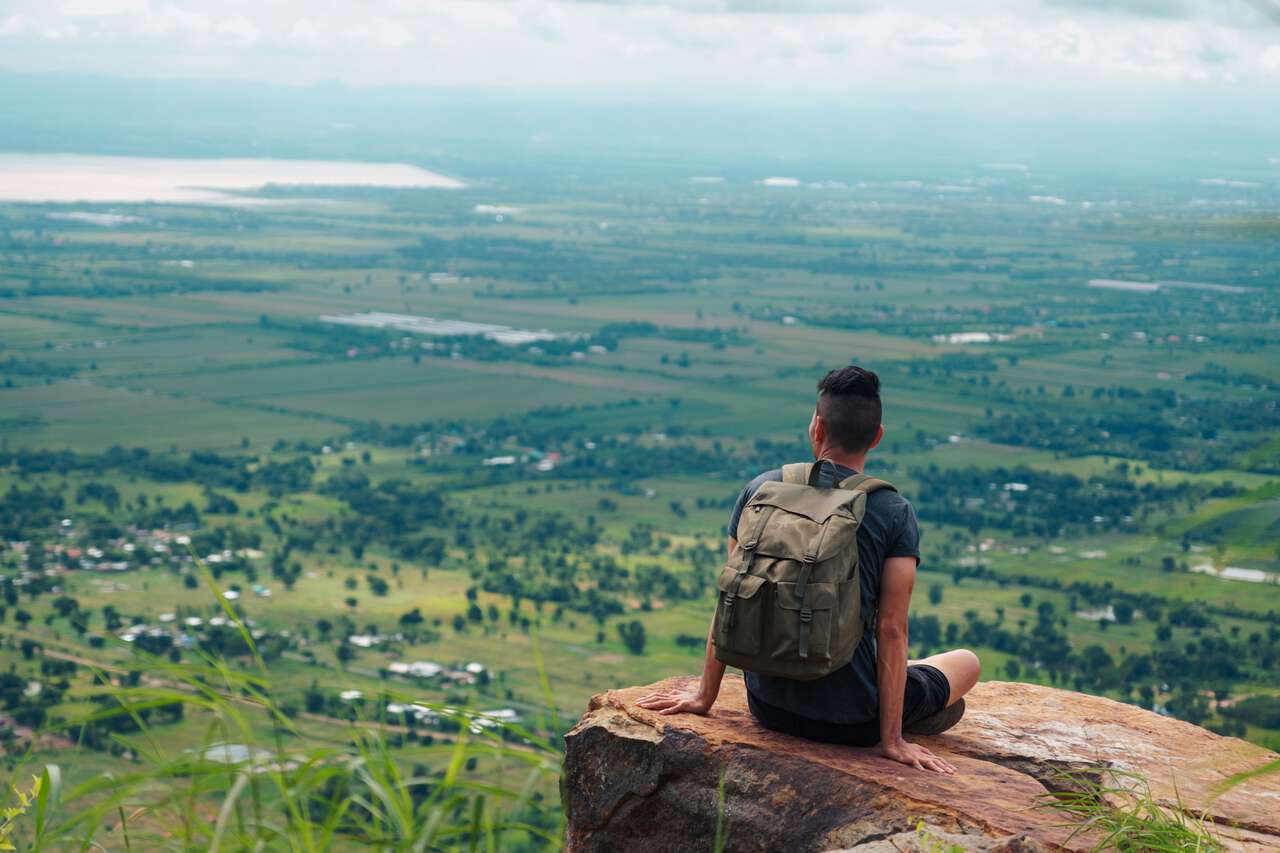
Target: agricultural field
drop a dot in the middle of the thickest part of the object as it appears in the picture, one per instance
(186, 446)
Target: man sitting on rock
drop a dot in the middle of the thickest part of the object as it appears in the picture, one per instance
(879, 695)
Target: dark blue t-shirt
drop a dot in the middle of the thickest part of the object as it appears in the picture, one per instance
(849, 694)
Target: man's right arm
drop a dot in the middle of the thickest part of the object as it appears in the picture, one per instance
(696, 701)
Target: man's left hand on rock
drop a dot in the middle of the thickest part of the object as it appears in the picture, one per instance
(676, 702)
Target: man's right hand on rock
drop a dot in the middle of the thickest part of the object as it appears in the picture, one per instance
(914, 755)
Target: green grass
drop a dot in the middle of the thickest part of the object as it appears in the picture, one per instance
(1120, 813)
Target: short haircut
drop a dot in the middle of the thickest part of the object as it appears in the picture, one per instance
(849, 404)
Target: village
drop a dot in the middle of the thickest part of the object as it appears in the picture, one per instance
(35, 571)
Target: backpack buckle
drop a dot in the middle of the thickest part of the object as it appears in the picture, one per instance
(806, 615)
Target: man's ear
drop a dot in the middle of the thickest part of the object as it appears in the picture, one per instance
(817, 429)
(879, 436)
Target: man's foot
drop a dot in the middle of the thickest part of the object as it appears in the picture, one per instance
(936, 724)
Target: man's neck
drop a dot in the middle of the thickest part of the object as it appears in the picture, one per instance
(853, 461)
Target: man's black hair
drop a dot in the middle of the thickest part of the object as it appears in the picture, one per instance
(849, 403)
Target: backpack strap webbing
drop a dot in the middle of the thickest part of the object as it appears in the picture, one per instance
(796, 472)
(866, 483)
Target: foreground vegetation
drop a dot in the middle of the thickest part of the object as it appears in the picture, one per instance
(256, 779)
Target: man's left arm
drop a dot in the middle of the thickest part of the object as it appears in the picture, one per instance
(896, 582)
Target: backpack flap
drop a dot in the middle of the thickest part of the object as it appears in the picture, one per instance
(815, 504)
(805, 523)
(741, 585)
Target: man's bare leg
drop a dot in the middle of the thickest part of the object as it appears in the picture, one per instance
(960, 666)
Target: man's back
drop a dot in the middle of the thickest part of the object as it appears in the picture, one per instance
(880, 694)
(848, 695)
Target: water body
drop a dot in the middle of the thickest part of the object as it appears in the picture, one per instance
(1235, 573)
(79, 178)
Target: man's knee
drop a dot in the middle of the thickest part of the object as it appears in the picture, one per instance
(970, 662)
(963, 668)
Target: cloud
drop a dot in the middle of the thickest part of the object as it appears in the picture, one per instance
(13, 25)
(748, 7)
(694, 45)
(1142, 8)
(103, 8)
(1268, 9)
(238, 28)
(1235, 13)
(1269, 59)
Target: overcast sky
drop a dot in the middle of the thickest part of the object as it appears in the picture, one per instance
(1231, 47)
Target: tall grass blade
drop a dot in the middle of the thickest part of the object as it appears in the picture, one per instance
(718, 844)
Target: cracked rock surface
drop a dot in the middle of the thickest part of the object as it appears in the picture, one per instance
(635, 780)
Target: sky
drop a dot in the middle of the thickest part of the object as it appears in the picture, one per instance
(1212, 49)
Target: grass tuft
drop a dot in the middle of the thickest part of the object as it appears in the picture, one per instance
(1119, 812)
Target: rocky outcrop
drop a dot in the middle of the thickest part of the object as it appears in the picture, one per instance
(635, 780)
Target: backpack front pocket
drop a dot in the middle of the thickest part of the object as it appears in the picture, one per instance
(790, 639)
(741, 612)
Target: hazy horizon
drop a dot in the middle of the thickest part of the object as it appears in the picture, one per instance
(1210, 70)
(446, 128)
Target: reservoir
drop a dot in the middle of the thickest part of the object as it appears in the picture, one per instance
(80, 178)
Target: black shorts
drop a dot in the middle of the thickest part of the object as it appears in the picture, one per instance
(927, 692)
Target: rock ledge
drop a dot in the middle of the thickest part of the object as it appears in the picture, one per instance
(635, 780)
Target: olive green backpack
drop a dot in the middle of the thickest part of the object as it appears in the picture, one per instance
(790, 597)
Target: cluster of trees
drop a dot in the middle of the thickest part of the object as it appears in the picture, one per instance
(611, 335)
(31, 708)
(632, 635)
(540, 556)
(1192, 654)
(405, 518)
(13, 368)
(1191, 614)
(29, 509)
(914, 320)
(1263, 711)
(1175, 673)
(1222, 375)
(560, 268)
(100, 733)
(1161, 427)
(238, 472)
(978, 498)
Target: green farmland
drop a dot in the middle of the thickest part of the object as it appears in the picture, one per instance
(1096, 471)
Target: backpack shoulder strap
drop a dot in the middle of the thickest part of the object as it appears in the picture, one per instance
(866, 483)
(796, 472)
